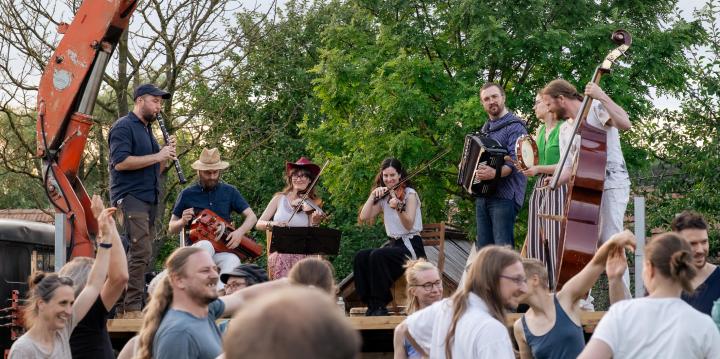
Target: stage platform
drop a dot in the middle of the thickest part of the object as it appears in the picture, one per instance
(377, 332)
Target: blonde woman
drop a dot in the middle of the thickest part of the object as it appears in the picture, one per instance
(424, 287)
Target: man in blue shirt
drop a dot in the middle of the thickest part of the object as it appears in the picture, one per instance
(209, 193)
(496, 213)
(706, 283)
(136, 161)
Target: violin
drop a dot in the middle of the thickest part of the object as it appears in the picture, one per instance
(305, 199)
(398, 192)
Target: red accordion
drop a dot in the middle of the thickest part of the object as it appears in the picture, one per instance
(206, 226)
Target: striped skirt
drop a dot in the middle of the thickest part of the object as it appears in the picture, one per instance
(543, 234)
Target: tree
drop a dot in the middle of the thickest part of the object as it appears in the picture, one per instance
(683, 144)
(401, 78)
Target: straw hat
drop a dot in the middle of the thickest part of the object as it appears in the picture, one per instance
(303, 163)
(209, 161)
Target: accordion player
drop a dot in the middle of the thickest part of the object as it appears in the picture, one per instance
(480, 149)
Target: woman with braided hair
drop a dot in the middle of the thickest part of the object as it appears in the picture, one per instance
(661, 325)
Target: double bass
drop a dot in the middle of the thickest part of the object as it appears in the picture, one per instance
(577, 243)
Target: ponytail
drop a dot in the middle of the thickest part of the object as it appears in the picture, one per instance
(161, 300)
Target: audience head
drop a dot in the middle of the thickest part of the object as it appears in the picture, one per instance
(243, 276)
(537, 276)
(313, 272)
(293, 322)
(424, 284)
(496, 275)
(50, 300)
(78, 270)
(692, 226)
(668, 259)
(188, 271)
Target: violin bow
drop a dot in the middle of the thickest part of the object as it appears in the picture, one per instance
(415, 173)
(307, 191)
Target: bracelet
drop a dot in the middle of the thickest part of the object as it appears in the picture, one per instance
(105, 245)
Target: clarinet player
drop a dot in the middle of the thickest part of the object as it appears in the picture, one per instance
(136, 161)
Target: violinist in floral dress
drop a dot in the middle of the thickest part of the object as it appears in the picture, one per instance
(376, 270)
(285, 210)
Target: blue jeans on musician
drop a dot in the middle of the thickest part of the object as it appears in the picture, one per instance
(495, 221)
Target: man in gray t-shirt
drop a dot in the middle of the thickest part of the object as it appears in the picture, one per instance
(187, 328)
(183, 335)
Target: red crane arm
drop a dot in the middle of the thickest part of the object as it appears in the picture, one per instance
(66, 97)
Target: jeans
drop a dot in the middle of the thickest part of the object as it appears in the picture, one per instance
(495, 221)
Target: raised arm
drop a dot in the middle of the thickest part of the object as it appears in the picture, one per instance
(407, 216)
(615, 268)
(369, 209)
(99, 270)
(618, 116)
(118, 270)
(234, 301)
(579, 285)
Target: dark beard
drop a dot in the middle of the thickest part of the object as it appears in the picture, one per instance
(208, 186)
(561, 114)
(149, 118)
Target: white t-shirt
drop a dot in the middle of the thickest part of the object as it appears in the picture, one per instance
(617, 175)
(477, 334)
(658, 328)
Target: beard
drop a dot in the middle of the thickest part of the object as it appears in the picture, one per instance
(203, 296)
(209, 184)
(149, 117)
(495, 110)
(560, 113)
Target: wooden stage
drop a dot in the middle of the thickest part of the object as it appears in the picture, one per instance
(376, 331)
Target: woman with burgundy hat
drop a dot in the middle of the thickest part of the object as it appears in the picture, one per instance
(298, 176)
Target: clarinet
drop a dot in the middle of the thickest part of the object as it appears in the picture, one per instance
(166, 136)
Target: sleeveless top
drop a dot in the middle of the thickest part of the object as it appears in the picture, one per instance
(284, 211)
(394, 227)
(549, 151)
(564, 340)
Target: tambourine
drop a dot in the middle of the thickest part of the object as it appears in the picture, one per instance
(526, 151)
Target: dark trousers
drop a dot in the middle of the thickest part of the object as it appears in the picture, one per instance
(137, 228)
(375, 270)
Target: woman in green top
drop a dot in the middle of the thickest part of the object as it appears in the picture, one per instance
(543, 234)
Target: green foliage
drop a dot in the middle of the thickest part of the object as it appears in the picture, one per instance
(401, 78)
(683, 146)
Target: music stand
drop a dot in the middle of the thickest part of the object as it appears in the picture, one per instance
(305, 240)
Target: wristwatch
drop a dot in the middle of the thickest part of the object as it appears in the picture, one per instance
(105, 245)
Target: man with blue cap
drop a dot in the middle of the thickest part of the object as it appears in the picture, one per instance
(136, 161)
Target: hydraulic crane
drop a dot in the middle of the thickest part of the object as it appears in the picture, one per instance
(66, 97)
